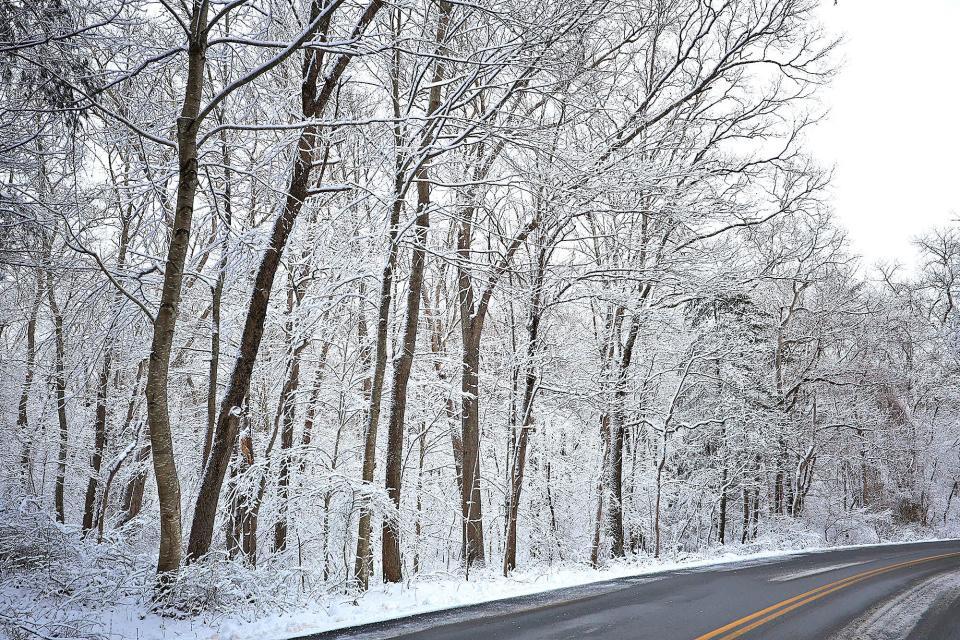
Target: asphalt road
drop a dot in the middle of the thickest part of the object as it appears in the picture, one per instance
(898, 592)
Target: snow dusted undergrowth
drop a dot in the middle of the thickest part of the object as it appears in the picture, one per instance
(53, 584)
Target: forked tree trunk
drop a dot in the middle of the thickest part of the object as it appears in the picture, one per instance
(473, 313)
(101, 513)
(315, 95)
(392, 565)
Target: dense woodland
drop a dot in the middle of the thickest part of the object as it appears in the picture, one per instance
(358, 291)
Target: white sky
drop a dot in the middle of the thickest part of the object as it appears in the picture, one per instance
(893, 134)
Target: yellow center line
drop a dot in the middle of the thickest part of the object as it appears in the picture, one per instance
(775, 611)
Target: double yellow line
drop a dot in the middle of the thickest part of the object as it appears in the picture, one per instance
(748, 623)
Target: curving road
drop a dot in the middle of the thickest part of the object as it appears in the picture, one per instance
(909, 591)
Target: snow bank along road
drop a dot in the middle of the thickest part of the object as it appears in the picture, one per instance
(871, 593)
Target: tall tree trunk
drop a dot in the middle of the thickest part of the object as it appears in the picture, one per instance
(253, 510)
(132, 497)
(598, 512)
(217, 296)
(286, 413)
(242, 521)
(158, 418)
(745, 532)
(392, 565)
(722, 523)
(516, 485)
(99, 442)
(615, 478)
(418, 525)
(232, 527)
(26, 455)
(314, 97)
(615, 470)
(756, 510)
(231, 407)
(60, 389)
(656, 517)
(471, 504)
(519, 455)
(132, 501)
(100, 414)
(611, 323)
(101, 513)
(473, 313)
(310, 416)
(390, 551)
(436, 348)
(364, 557)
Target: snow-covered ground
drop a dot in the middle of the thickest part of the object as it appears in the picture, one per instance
(896, 618)
(61, 617)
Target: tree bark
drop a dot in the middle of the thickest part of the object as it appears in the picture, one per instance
(472, 506)
(656, 517)
(90, 515)
(722, 523)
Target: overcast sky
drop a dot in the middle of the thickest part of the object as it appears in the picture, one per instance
(893, 135)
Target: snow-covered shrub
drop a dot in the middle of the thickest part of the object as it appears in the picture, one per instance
(858, 526)
(784, 533)
(219, 585)
(51, 578)
(55, 559)
(30, 541)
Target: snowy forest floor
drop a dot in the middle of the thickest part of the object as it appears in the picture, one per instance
(54, 584)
